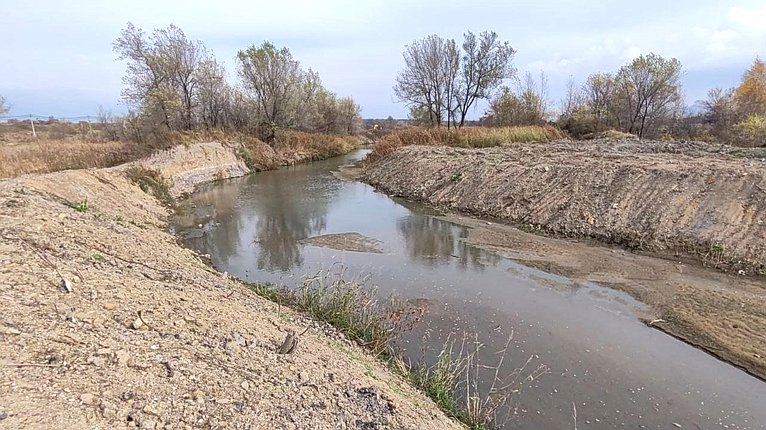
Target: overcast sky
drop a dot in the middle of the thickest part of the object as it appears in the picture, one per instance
(56, 56)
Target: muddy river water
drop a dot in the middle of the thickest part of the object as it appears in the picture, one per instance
(603, 365)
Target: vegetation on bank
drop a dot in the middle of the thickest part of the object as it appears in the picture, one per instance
(451, 381)
(64, 146)
(466, 137)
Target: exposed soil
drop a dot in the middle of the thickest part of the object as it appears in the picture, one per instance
(687, 203)
(345, 242)
(149, 336)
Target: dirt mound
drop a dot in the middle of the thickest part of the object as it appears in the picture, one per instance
(108, 323)
(653, 196)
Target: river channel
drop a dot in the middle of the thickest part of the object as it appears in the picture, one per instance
(603, 365)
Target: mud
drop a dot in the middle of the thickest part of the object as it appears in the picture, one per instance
(106, 322)
(345, 242)
(687, 203)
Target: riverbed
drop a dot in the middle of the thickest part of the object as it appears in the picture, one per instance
(602, 364)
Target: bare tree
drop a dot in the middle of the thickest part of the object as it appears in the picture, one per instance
(212, 94)
(574, 99)
(424, 81)
(108, 123)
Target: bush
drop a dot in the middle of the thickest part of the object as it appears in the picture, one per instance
(751, 131)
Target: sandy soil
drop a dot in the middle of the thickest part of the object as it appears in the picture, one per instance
(663, 205)
(151, 337)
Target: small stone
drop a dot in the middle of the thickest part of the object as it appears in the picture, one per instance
(96, 361)
(87, 398)
(137, 324)
(149, 410)
(148, 424)
(123, 357)
(127, 395)
(198, 396)
(110, 306)
(245, 385)
(303, 376)
(3, 415)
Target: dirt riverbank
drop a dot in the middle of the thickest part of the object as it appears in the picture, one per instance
(144, 334)
(685, 202)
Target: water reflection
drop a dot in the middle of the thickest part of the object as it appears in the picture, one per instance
(434, 242)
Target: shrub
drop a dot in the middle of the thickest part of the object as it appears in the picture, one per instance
(151, 182)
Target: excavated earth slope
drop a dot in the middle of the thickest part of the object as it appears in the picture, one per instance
(148, 336)
(654, 196)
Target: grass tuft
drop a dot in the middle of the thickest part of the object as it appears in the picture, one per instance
(151, 182)
(452, 381)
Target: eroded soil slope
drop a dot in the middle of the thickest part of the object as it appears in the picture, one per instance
(667, 199)
(149, 336)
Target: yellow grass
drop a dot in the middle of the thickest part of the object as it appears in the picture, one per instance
(42, 156)
(467, 137)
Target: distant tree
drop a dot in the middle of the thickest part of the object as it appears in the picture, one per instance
(108, 123)
(599, 92)
(647, 94)
(426, 82)
(213, 95)
(441, 84)
(574, 99)
(486, 62)
(527, 106)
(4, 107)
(273, 77)
(720, 111)
(349, 115)
(161, 78)
(751, 92)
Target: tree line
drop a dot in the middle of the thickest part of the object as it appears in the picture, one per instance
(173, 83)
(440, 82)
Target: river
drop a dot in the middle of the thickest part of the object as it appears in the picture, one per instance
(603, 365)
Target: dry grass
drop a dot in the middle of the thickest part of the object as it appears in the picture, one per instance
(42, 156)
(81, 148)
(291, 147)
(468, 137)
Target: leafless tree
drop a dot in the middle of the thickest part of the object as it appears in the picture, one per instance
(574, 99)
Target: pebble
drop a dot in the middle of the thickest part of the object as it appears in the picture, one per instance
(137, 324)
(148, 424)
(87, 398)
(245, 385)
(149, 410)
